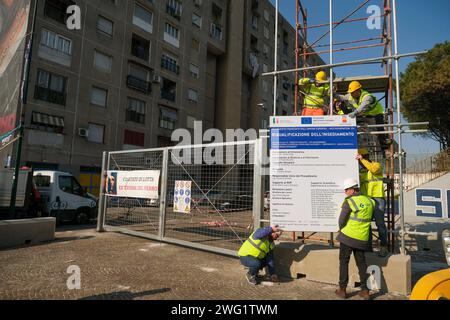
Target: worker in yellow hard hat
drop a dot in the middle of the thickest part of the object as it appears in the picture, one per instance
(315, 91)
(371, 182)
(364, 104)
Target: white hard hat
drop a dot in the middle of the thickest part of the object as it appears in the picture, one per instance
(349, 183)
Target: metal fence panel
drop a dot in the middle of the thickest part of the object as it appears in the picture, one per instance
(138, 215)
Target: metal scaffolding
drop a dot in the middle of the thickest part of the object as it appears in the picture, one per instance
(383, 84)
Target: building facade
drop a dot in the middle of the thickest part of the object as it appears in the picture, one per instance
(138, 69)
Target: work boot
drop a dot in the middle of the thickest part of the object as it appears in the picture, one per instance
(364, 294)
(341, 293)
(251, 279)
(383, 252)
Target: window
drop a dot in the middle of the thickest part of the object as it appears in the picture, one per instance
(41, 181)
(138, 78)
(56, 9)
(135, 111)
(170, 63)
(96, 133)
(196, 20)
(168, 90)
(192, 95)
(69, 184)
(266, 32)
(190, 122)
(266, 15)
(46, 122)
(265, 68)
(167, 118)
(55, 41)
(50, 87)
(255, 22)
(265, 86)
(143, 18)
(102, 61)
(194, 71)
(133, 138)
(171, 35)
(140, 47)
(105, 26)
(195, 45)
(99, 96)
(266, 50)
(174, 8)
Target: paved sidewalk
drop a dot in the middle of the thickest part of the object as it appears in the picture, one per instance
(116, 266)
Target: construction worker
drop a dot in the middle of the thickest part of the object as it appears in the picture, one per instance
(371, 179)
(364, 104)
(257, 253)
(354, 224)
(314, 91)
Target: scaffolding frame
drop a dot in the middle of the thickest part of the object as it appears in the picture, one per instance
(391, 56)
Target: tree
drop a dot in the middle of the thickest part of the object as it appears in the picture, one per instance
(425, 92)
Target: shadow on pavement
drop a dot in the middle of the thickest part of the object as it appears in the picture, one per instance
(125, 295)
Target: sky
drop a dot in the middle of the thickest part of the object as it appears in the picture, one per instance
(421, 25)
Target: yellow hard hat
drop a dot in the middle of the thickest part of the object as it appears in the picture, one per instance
(354, 85)
(321, 76)
(363, 151)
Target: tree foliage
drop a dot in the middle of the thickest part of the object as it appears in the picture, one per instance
(425, 92)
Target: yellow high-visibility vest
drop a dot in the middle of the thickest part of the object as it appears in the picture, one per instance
(257, 248)
(358, 225)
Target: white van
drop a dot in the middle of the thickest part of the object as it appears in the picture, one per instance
(64, 197)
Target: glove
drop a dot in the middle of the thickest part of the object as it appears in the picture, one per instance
(352, 115)
(274, 278)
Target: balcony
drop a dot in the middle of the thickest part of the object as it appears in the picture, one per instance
(170, 65)
(139, 84)
(49, 95)
(173, 12)
(216, 31)
(168, 95)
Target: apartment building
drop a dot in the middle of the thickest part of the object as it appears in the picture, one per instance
(138, 69)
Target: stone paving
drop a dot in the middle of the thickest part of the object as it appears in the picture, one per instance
(117, 266)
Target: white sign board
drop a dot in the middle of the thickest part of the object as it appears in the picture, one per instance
(133, 184)
(310, 158)
(182, 197)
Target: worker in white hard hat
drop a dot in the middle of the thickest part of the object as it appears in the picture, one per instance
(354, 235)
(314, 91)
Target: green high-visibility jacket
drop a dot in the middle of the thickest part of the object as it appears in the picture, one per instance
(257, 248)
(358, 224)
(315, 96)
(374, 110)
(372, 184)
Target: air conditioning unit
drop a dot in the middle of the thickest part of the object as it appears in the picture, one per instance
(198, 3)
(83, 132)
(156, 79)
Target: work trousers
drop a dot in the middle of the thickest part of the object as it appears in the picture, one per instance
(344, 258)
(253, 264)
(312, 112)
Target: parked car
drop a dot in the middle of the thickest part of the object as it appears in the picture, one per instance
(237, 202)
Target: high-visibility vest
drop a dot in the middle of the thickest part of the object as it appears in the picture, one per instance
(363, 181)
(375, 186)
(315, 96)
(375, 109)
(358, 224)
(257, 248)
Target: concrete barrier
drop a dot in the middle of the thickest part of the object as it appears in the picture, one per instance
(321, 263)
(26, 231)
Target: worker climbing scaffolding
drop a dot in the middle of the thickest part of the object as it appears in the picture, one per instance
(315, 91)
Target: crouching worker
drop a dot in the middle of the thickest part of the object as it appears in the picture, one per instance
(257, 253)
(354, 235)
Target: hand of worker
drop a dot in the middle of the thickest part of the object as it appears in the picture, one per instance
(359, 157)
(352, 115)
(275, 228)
(274, 278)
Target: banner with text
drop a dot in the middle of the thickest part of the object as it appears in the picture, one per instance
(133, 184)
(310, 158)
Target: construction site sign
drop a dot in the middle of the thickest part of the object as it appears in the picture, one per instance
(182, 197)
(143, 184)
(310, 158)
